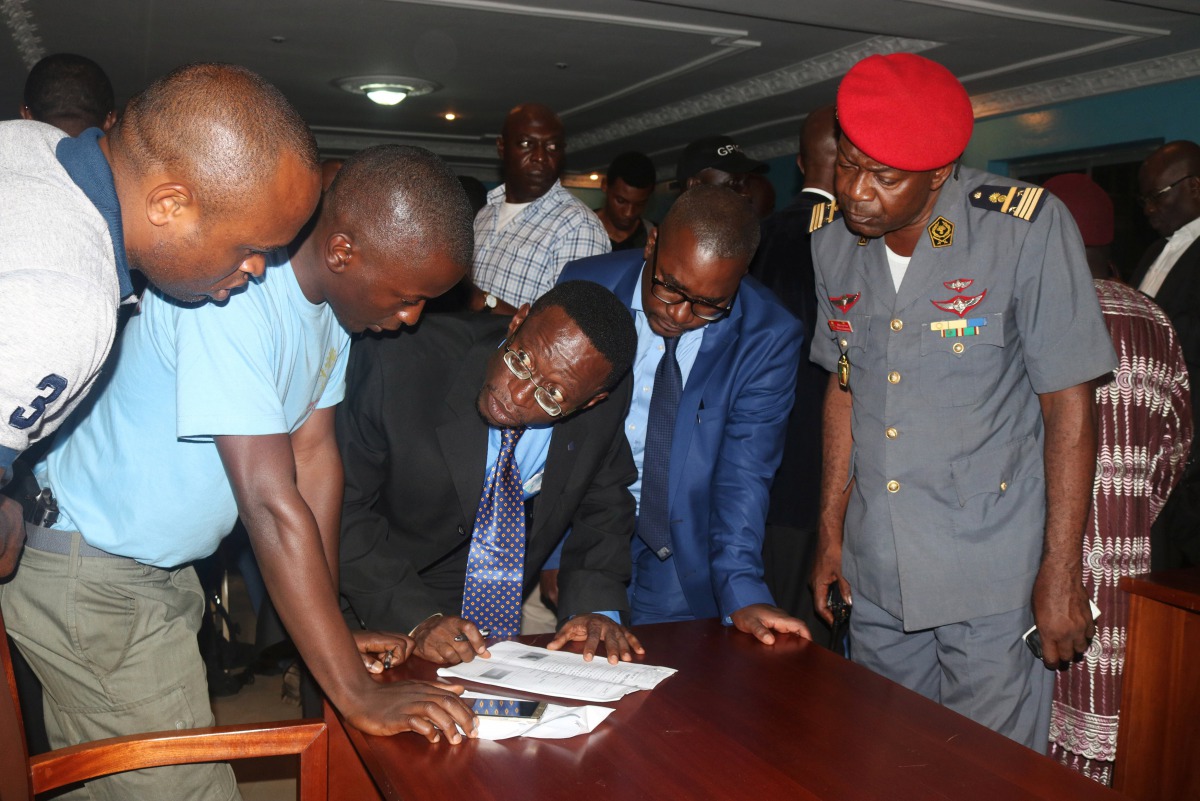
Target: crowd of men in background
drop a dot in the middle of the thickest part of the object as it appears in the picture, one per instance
(762, 417)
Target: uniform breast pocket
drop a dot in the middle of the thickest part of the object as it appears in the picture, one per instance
(961, 359)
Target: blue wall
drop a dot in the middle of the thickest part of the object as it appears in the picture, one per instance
(1166, 111)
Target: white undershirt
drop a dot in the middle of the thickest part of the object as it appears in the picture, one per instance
(1177, 243)
(507, 212)
(898, 265)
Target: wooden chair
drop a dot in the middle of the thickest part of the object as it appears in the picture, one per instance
(21, 778)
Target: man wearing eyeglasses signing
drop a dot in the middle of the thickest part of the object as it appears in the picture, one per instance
(470, 447)
(1169, 186)
(714, 380)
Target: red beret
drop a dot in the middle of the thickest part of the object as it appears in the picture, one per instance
(1090, 205)
(905, 111)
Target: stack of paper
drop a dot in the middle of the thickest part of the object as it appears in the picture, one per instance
(558, 674)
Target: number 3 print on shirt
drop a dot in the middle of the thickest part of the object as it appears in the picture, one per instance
(23, 419)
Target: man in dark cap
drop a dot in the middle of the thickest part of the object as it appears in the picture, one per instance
(718, 161)
(958, 318)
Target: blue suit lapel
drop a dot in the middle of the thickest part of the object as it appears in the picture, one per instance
(718, 338)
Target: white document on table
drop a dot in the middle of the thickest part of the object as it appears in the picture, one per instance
(557, 673)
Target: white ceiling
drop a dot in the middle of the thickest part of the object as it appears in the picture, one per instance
(649, 75)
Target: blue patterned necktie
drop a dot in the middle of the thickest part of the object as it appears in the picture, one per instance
(653, 524)
(496, 562)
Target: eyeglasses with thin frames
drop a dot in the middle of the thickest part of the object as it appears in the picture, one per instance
(1158, 194)
(672, 296)
(520, 365)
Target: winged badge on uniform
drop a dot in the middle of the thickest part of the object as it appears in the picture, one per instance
(959, 304)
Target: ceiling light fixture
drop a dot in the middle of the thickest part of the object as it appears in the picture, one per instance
(450, 116)
(386, 90)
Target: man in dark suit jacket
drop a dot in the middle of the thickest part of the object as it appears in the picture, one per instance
(414, 435)
(783, 262)
(1169, 272)
(737, 350)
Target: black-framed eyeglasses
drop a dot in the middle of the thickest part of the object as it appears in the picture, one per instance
(521, 366)
(673, 296)
(1157, 195)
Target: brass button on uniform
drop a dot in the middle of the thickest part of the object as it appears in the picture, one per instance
(891, 433)
(893, 486)
(897, 325)
(1003, 486)
(893, 377)
(957, 347)
(844, 343)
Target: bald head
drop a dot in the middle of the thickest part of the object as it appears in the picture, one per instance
(1169, 186)
(818, 148)
(720, 220)
(219, 127)
(531, 147)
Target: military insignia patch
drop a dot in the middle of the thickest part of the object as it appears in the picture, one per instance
(958, 284)
(941, 232)
(862, 240)
(823, 214)
(961, 304)
(1024, 202)
(845, 302)
(841, 326)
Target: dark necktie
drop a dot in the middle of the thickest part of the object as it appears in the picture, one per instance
(654, 515)
(496, 562)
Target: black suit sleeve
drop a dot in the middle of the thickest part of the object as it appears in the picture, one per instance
(595, 566)
(380, 583)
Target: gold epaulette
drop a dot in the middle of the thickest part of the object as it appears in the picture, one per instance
(823, 214)
(1022, 202)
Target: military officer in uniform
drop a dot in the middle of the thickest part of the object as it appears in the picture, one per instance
(957, 317)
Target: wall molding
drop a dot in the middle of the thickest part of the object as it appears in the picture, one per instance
(825, 67)
(1088, 84)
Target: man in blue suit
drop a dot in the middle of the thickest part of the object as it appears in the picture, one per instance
(706, 434)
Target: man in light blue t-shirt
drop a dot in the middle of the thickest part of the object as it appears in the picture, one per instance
(214, 411)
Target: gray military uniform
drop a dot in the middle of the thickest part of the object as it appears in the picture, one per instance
(946, 519)
(948, 511)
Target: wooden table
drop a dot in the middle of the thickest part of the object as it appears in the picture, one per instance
(1158, 736)
(739, 720)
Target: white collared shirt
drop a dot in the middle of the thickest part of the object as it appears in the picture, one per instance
(1177, 243)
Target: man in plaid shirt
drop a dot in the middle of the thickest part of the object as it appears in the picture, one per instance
(531, 226)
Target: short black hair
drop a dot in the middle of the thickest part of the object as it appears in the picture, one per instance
(66, 86)
(720, 219)
(603, 319)
(174, 122)
(634, 168)
(397, 195)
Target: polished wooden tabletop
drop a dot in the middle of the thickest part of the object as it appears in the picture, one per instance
(739, 720)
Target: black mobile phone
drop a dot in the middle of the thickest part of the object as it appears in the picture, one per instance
(508, 708)
(837, 605)
(1033, 637)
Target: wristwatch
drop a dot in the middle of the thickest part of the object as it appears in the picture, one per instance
(490, 300)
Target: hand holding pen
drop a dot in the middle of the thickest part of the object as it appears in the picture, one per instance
(449, 640)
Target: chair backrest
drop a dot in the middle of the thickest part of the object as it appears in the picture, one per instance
(22, 778)
(14, 755)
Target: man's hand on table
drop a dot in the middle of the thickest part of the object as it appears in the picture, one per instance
(762, 620)
(436, 640)
(431, 709)
(619, 642)
(12, 535)
(381, 650)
